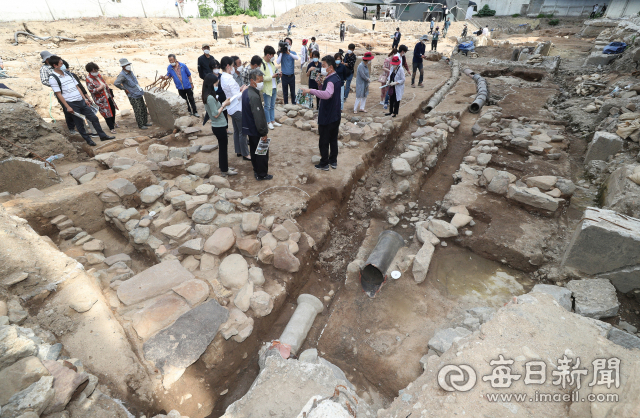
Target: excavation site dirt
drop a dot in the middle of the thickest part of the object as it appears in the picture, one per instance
(496, 215)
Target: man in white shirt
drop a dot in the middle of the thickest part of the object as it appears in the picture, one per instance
(594, 12)
(232, 90)
(68, 92)
(286, 59)
(486, 32)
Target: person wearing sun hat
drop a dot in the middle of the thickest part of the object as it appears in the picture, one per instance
(362, 82)
(395, 81)
(304, 54)
(128, 82)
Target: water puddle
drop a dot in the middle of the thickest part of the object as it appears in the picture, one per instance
(469, 278)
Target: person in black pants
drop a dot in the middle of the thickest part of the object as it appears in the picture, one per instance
(434, 40)
(329, 114)
(313, 70)
(214, 109)
(254, 124)
(287, 59)
(182, 78)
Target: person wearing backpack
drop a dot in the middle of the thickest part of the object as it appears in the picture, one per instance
(45, 73)
(67, 89)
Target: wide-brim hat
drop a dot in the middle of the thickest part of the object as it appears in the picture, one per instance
(124, 62)
(368, 56)
(45, 55)
(203, 45)
(304, 41)
(395, 60)
(424, 38)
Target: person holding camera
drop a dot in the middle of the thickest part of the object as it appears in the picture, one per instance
(286, 59)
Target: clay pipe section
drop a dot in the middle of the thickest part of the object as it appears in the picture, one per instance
(440, 94)
(482, 91)
(300, 323)
(373, 275)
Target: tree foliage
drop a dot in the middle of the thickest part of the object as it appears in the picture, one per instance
(486, 11)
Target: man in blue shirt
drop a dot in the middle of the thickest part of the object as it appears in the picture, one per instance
(182, 78)
(418, 56)
(286, 58)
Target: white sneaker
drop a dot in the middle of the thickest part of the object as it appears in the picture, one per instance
(382, 102)
(271, 126)
(229, 173)
(276, 124)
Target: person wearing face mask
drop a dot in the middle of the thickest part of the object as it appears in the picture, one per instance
(304, 54)
(349, 62)
(215, 111)
(342, 72)
(314, 68)
(329, 114)
(214, 26)
(254, 124)
(313, 46)
(402, 51)
(434, 40)
(396, 38)
(182, 79)
(205, 62)
(232, 91)
(418, 56)
(362, 83)
(68, 91)
(45, 73)
(286, 59)
(102, 95)
(128, 82)
(396, 86)
(239, 71)
(269, 90)
(220, 96)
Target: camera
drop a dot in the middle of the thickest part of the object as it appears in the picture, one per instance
(283, 47)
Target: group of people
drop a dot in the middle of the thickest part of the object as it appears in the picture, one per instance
(598, 11)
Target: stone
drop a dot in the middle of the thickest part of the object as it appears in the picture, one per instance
(17, 314)
(594, 298)
(206, 189)
(124, 258)
(122, 187)
(220, 241)
(233, 272)
(83, 303)
(261, 303)
(421, 262)
(157, 153)
(250, 221)
(401, 167)
(248, 246)
(265, 255)
(269, 241)
(175, 348)
(280, 233)
(193, 291)
(15, 278)
(65, 383)
(239, 326)
(567, 188)
(220, 182)
(180, 202)
(181, 153)
(94, 245)
(561, 294)
(458, 209)
(65, 224)
(199, 169)
(87, 178)
(81, 170)
(190, 263)
(224, 206)
(128, 214)
(554, 193)
(603, 145)
(483, 159)
(230, 220)
(94, 258)
(542, 182)
(605, 242)
(532, 197)
(204, 214)
(188, 183)
(285, 260)
(194, 203)
(20, 376)
(176, 231)
(243, 298)
(459, 220)
(412, 157)
(444, 339)
(256, 276)
(34, 399)
(424, 235)
(152, 193)
(192, 247)
(153, 281)
(209, 148)
(32, 193)
(624, 339)
(442, 229)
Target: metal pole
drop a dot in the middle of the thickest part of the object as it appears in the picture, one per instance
(143, 10)
(49, 7)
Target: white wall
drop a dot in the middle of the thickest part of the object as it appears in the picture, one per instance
(619, 8)
(560, 7)
(69, 9)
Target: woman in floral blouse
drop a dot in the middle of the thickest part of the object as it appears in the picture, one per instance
(102, 95)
